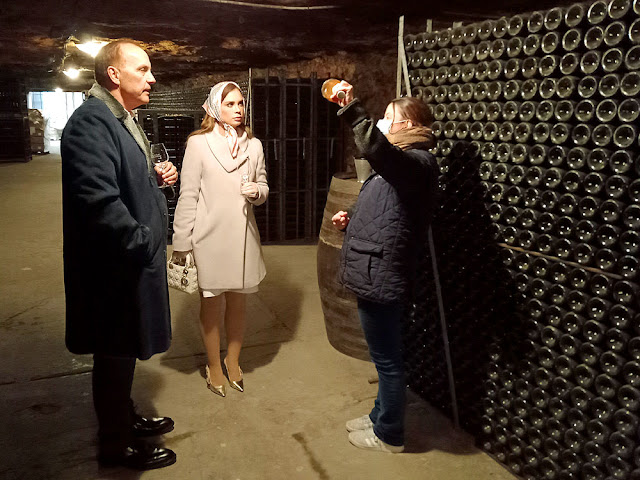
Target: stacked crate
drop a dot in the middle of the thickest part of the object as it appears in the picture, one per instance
(171, 129)
(36, 130)
(14, 121)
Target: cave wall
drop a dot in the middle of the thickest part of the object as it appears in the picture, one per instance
(373, 76)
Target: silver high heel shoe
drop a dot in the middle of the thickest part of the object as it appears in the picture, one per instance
(239, 385)
(217, 389)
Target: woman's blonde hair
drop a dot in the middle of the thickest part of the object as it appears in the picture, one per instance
(209, 123)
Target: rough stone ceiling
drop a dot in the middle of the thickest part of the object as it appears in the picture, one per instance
(193, 37)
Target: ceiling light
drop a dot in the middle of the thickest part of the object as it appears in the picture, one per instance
(58, 90)
(92, 48)
(72, 73)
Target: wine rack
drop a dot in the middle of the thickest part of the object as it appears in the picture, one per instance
(537, 237)
(171, 129)
(15, 142)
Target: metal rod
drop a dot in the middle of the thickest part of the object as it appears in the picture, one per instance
(561, 260)
(400, 55)
(403, 71)
(275, 7)
(313, 153)
(249, 99)
(282, 156)
(445, 335)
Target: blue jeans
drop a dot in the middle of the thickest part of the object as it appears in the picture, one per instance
(382, 325)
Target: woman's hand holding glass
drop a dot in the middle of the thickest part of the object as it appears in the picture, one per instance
(249, 189)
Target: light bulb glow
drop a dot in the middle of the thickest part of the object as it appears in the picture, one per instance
(92, 48)
(72, 73)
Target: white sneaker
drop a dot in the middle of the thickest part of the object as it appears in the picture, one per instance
(369, 441)
(360, 423)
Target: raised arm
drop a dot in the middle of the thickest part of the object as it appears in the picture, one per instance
(400, 168)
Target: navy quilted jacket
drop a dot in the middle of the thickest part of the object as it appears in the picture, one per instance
(388, 226)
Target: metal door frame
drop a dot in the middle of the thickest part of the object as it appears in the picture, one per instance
(307, 217)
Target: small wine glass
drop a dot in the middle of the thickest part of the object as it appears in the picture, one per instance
(244, 179)
(160, 156)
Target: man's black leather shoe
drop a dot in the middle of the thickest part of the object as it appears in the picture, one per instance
(139, 458)
(148, 427)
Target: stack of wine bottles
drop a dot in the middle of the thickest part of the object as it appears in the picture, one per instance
(477, 294)
(537, 236)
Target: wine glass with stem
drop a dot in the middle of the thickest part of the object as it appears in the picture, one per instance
(160, 156)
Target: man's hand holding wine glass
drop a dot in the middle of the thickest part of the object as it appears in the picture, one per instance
(167, 171)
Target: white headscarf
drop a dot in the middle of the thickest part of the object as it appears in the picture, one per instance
(212, 106)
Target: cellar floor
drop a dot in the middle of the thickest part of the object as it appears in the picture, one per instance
(288, 424)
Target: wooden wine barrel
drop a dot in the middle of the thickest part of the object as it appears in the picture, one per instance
(338, 304)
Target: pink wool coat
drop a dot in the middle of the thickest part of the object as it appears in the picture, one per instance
(213, 218)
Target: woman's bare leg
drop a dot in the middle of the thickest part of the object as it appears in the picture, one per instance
(211, 317)
(234, 322)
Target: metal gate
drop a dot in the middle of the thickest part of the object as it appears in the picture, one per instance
(299, 131)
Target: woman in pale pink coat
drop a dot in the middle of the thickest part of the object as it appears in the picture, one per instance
(223, 176)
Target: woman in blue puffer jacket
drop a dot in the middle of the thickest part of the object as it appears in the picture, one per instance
(383, 242)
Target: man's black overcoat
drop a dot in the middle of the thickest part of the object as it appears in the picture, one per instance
(115, 230)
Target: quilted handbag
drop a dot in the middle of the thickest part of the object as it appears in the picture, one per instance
(183, 277)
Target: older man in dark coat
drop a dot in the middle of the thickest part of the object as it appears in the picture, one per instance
(115, 229)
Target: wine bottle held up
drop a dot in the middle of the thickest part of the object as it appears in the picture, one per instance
(328, 90)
